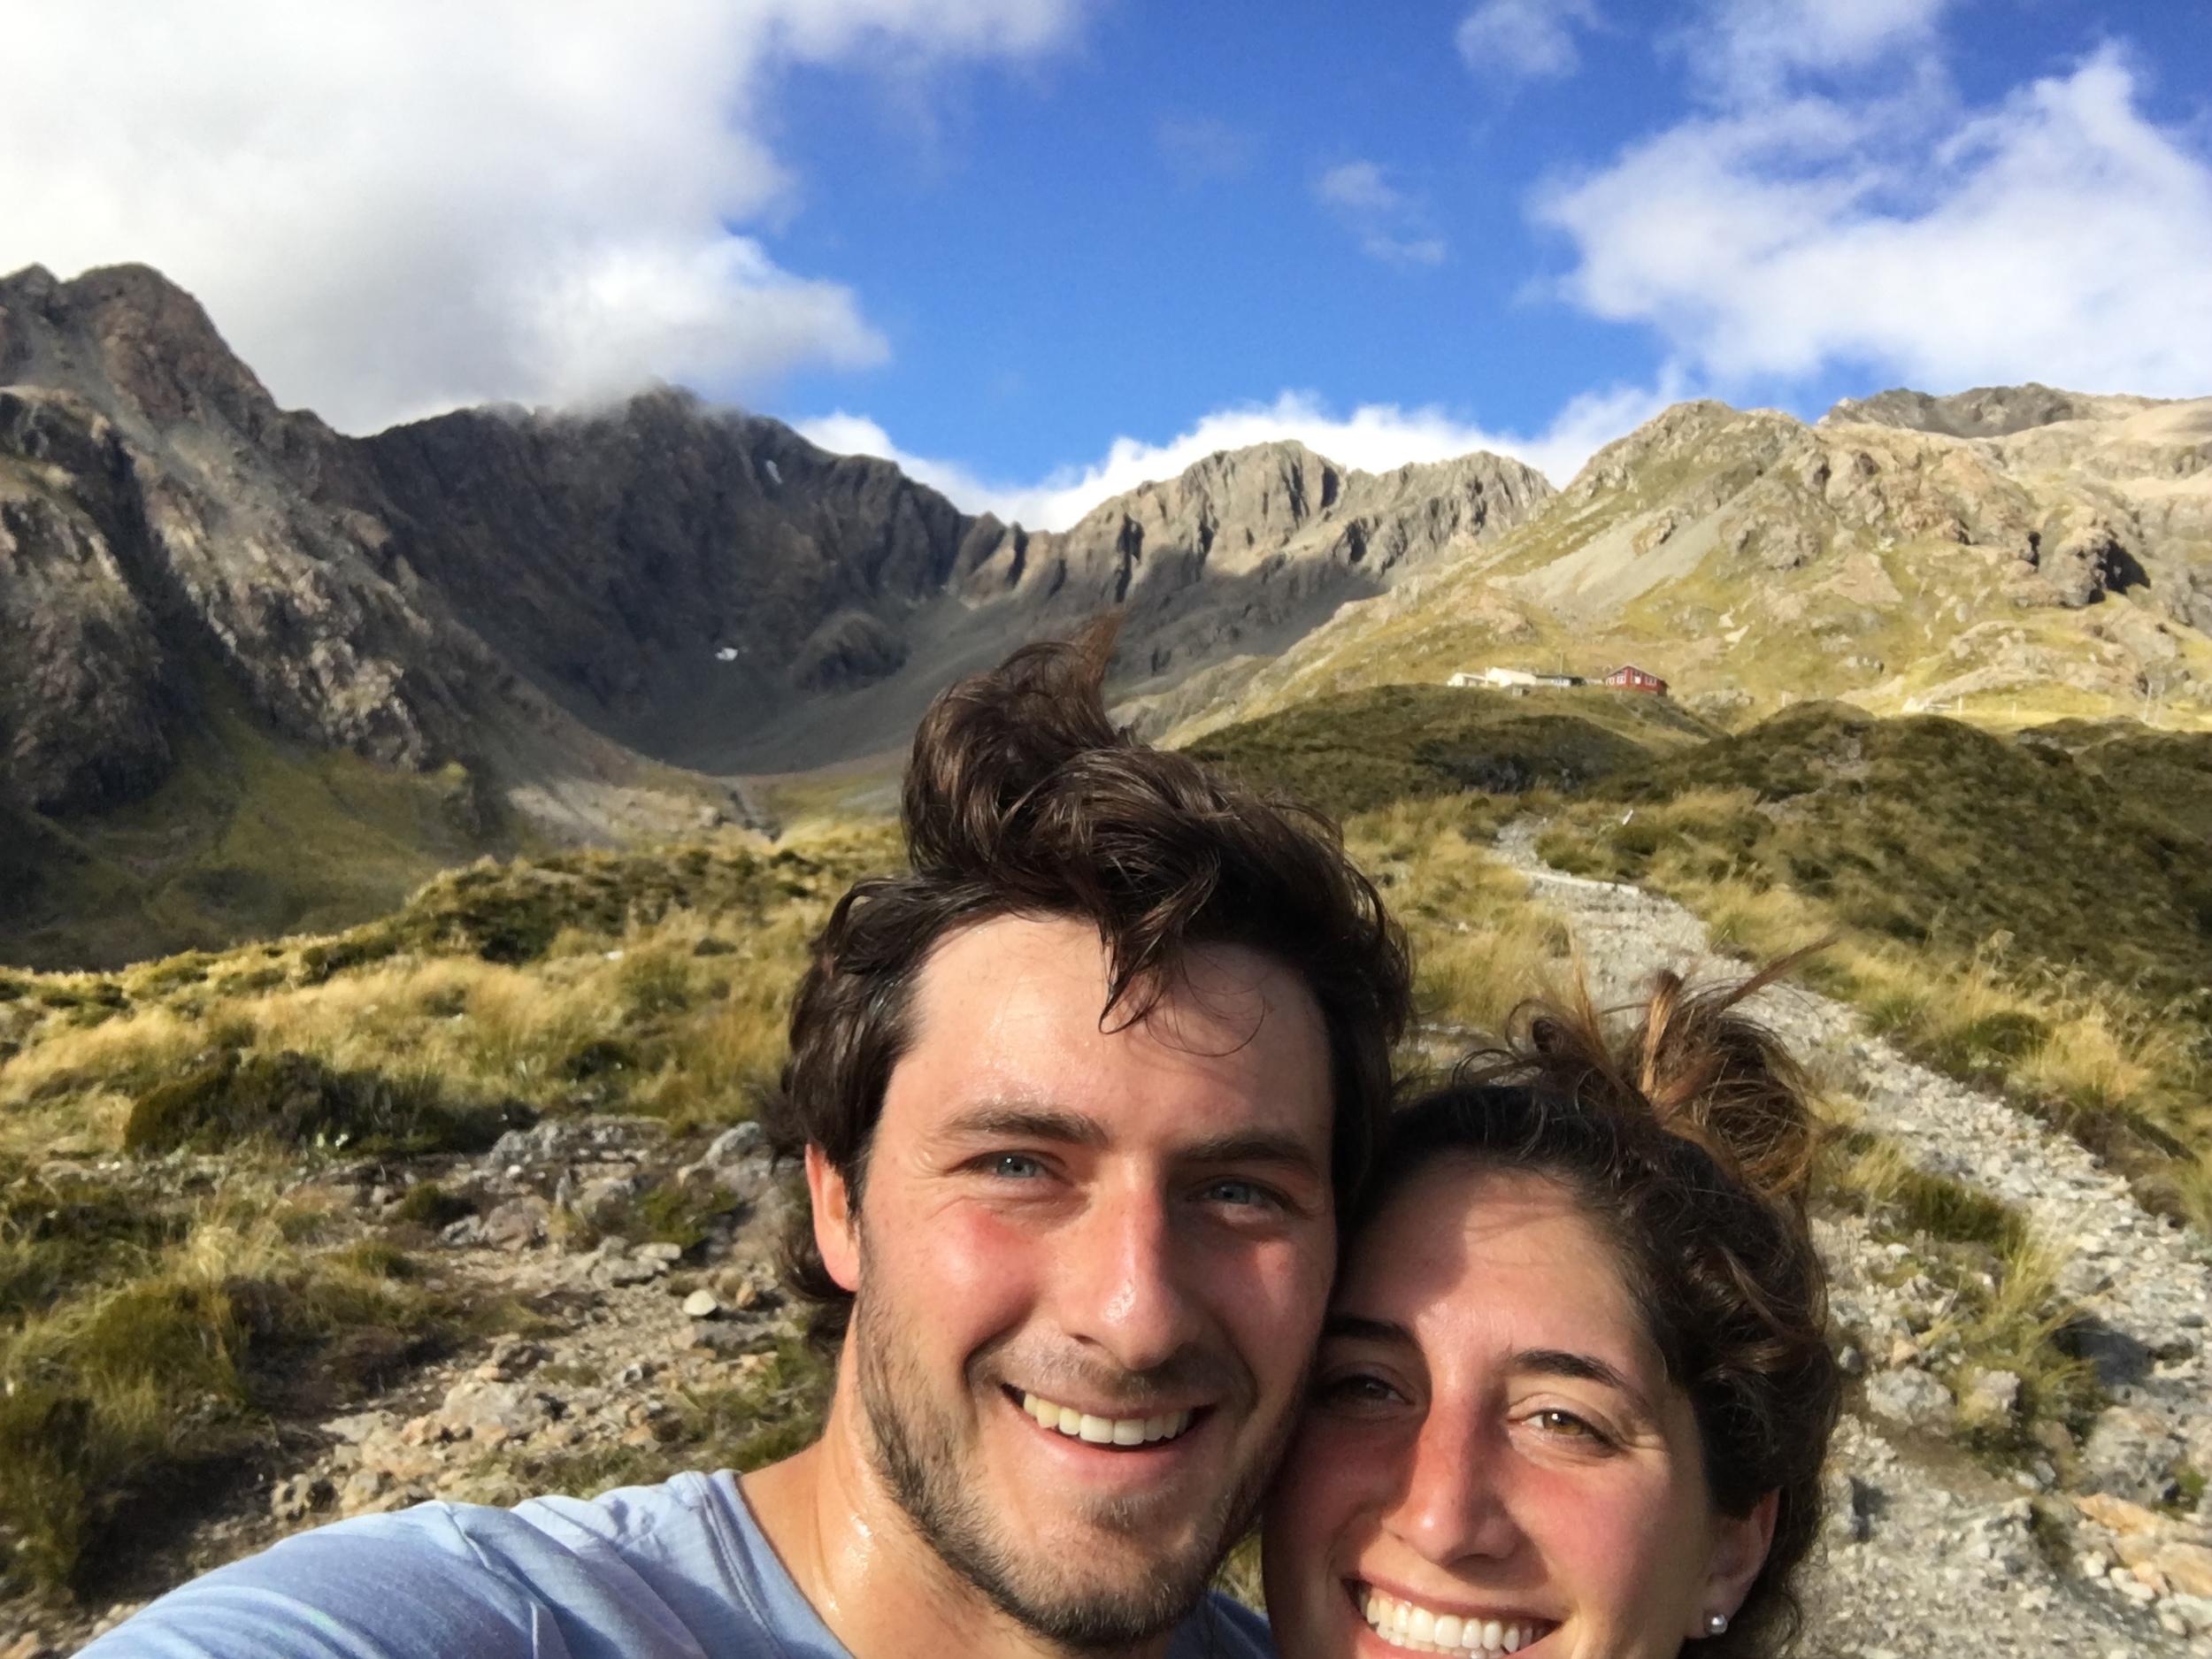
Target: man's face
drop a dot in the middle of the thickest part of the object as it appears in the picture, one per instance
(1091, 1265)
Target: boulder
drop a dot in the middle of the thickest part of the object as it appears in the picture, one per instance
(1993, 1399)
(1912, 1397)
(2129, 1455)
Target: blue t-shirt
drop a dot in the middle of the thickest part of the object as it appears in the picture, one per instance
(675, 1571)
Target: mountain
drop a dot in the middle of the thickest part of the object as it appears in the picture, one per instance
(714, 591)
(2009, 554)
(256, 675)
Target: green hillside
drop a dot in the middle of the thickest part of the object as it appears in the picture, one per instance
(249, 836)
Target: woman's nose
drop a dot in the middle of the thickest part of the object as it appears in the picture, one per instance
(1456, 1500)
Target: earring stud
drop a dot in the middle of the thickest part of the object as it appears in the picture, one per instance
(1715, 1624)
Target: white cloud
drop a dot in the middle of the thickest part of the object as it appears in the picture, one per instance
(1390, 223)
(392, 206)
(1373, 438)
(1530, 39)
(1751, 47)
(2060, 235)
(1199, 150)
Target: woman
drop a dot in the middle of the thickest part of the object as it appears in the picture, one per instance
(1574, 1392)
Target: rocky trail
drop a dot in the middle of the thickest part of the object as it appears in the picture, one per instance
(1930, 1550)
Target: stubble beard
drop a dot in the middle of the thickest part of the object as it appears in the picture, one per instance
(919, 1454)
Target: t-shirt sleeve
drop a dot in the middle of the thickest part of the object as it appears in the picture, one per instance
(382, 1587)
(439, 1579)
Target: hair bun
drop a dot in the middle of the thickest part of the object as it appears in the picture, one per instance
(1701, 1069)
(1717, 1076)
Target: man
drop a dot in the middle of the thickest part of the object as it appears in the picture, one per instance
(1075, 1099)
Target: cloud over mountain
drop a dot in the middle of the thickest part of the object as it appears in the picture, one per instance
(1373, 438)
(394, 207)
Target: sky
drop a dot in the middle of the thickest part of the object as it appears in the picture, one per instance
(1039, 250)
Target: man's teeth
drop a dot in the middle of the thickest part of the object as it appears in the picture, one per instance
(1105, 1431)
(1402, 1625)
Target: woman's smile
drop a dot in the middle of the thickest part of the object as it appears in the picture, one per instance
(1420, 1628)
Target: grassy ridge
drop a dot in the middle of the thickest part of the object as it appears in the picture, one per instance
(2035, 912)
(1364, 749)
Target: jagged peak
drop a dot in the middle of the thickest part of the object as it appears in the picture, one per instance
(1692, 426)
(132, 339)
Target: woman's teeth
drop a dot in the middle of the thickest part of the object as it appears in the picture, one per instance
(1402, 1625)
(1105, 1431)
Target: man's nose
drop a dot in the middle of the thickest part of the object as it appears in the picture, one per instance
(1455, 1501)
(1123, 1285)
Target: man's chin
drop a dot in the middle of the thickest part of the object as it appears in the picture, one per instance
(1109, 1598)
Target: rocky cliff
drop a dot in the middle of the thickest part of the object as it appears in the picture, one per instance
(688, 581)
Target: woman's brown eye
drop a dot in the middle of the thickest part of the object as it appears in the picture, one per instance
(1567, 1424)
(1358, 1389)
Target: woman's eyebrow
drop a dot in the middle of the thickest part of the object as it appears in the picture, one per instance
(1555, 1361)
(1361, 1329)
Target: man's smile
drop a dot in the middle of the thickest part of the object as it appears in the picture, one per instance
(1106, 1431)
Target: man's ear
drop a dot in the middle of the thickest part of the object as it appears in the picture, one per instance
(1740, 1543)
(836, 1223)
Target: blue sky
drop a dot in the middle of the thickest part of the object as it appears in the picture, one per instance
(1038, 248)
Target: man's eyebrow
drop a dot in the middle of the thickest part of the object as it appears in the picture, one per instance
(1358, 1328)
(1027, 1122)
(1256, 1146)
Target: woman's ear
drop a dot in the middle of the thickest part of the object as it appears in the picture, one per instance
(836, 1226)
(1740, 1543)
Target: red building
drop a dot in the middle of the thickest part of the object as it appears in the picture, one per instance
(1628, 677)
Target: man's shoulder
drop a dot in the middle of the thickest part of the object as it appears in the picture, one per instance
(1222, 1628)
(644, 1572)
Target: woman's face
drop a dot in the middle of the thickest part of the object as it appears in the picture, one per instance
(1494, 1460)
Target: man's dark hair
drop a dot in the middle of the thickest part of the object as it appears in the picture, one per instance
(1021, 798)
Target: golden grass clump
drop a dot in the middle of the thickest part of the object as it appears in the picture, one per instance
(161, 1365)
(148, 1336)
(1481, 945)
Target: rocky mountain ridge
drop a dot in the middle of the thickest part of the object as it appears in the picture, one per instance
(677, 579)
(575, 626)
(2057, 561)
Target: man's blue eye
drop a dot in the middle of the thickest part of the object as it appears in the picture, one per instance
(1016, 1166)
(1236, 1193)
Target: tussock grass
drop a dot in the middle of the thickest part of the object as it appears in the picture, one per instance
(2002, 1308)
(1362, 750)
(156, 1365)
(1481, 945)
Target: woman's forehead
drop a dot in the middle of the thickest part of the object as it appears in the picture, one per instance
(1490, 1253)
